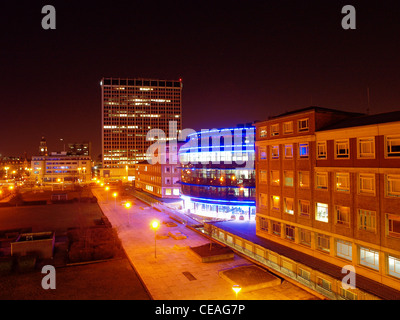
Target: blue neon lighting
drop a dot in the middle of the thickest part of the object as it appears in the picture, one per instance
(220, 130)
(245, 202)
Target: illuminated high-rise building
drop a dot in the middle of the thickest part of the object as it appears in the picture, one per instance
(130, 108)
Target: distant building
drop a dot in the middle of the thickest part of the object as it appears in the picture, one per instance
(130, 109)
(79, 149)
(218, 181)
(160, 179)
(43, 147)
(61, 167)
(328, 185)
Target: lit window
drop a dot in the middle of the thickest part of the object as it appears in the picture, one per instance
(275, 203)
(275, 152)
(366, 183)
(393, 185)
(366, 148)
(275, 129)
(343, 215)
(304, 179)
(288, 178)
(393, 225)
(263, 153)
(321, 212)
(342, 182)
(288, 127)
(263, 132)
(275, 178)
(393, 146)
(366, 220)
(369, 258)
(263, 176)
(321, 180)
(321, 150)
(344, 249)
(302, 125)
(289, 207)
(168, 192)
(263, 200)
(175, 192)
(288, 151)
(303, 150)
(342, 150)
(394, 266)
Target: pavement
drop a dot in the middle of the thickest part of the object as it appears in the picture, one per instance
(167, 267)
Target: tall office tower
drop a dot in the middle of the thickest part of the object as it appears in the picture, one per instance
(130, 108)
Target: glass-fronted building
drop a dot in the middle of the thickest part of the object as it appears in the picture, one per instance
(218, 176)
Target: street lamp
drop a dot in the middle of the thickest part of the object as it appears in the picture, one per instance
(107, 188)
(237, 289)
(128, 205)
(115, 197)
(155, 225)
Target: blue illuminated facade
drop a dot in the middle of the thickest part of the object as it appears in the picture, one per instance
(217, 173)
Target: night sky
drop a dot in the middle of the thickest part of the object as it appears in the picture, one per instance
(240, 61)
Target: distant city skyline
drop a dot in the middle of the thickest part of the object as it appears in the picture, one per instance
(240, 62)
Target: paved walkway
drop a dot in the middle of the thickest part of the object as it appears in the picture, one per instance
(163, 275)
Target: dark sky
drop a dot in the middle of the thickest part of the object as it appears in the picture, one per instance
(240, 61)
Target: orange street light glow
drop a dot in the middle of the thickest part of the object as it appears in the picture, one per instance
(155, 224)
(128, 205)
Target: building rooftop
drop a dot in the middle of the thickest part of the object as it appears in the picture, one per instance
(316, 109)
(365, 120)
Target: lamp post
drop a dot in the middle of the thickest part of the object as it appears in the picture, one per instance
(115, 197)
(107, 188)
(155, 224)
(128, 206)
(237, 289)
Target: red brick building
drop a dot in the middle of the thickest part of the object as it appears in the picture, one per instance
(328, 185)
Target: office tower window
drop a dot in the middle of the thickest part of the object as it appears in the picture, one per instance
(288, 178)
(321, 150)
(321, 180)
(344, 249)
(393, 266)
(342, 183)
(342, 149)
(366, 148)
(322, 242)
(304, 150)
(304, 208)
(288, 127)
(369, 257)
(305, 237)
(289, 205)
(275, 152)
(304, 179)
(275, 177)
(366, 220)
(263, 132)
(366, 183)
(321, 212)
(392, 146)
(302, 125)
(274, 129)
(392, 185)
(343, 215)
(288, 151)
(393, 225)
